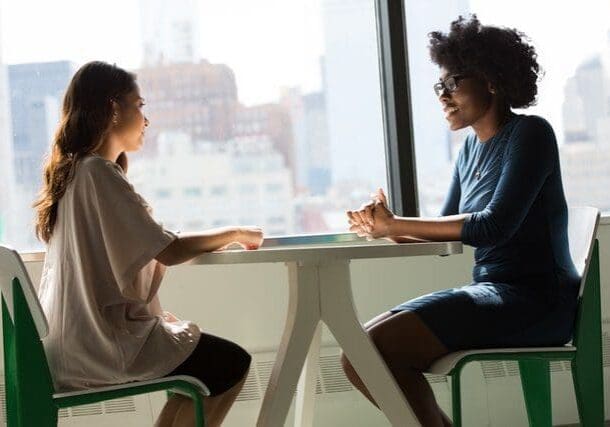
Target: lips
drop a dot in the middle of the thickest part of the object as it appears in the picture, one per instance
(449, 110)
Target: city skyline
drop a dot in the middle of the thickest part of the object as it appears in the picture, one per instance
(313, 131)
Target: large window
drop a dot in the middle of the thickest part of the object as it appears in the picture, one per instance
(573, 43)
(267, 112)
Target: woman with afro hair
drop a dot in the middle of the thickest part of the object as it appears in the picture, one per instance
(506, 199)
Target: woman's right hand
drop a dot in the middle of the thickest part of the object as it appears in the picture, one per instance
(250, 237)
(362, 221)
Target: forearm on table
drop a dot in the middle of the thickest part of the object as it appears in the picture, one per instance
(446, 228)
(188, 245)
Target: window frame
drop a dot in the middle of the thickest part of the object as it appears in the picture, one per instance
(397, 108)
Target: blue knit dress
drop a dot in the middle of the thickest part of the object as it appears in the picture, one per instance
(525, 286)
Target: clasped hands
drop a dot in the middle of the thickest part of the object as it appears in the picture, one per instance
(373, 220)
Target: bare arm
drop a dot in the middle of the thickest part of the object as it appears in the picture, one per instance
(429, 229)
(376, 221)
(404, 239)
(188, 245)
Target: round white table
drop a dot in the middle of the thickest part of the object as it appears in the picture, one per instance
(320, 291)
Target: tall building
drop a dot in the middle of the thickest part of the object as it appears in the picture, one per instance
(585, 155)
(271, 121)
(170, 32)
(36, 93)
(198, 99)
(7, 188)
(310, 130)
(587, 101)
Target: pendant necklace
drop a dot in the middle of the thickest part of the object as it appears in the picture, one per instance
(477, 171)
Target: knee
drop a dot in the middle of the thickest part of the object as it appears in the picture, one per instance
(397, 356)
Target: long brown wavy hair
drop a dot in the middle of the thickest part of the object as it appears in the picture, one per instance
(85, 121)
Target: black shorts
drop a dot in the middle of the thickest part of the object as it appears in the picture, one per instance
(218, 363)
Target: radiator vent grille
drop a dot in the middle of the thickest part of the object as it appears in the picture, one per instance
(330, 379)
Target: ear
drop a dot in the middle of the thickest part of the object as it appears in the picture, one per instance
(115, 111)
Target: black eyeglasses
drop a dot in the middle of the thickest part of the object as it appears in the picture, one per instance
(450, 84)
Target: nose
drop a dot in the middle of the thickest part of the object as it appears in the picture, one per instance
(445, 95)
(146, 121)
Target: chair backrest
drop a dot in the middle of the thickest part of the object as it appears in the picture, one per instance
(584, 249)
(582, 230)
(11, 267)
(28, 382)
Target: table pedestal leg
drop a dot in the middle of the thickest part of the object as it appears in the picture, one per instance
(306, 389)
(338, 312)
(301, 323)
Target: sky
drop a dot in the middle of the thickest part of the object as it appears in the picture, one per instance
(268, 43)
(272, 44)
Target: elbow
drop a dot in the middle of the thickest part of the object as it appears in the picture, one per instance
(170, 255)
(483, 231)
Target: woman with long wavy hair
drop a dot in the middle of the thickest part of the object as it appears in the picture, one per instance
(106, 257)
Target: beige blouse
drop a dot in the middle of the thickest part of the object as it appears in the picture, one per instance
(99, 286)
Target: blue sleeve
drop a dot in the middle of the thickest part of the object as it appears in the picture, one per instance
(452, 201)
(530, 159)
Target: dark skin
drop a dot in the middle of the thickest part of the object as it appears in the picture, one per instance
(404, 341)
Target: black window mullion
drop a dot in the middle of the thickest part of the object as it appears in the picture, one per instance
(396, 102)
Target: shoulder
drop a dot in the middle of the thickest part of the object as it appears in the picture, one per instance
(96, 172)
(96, 163)
(96, 166)
(533, 141)
(534, 132)
(534, 125)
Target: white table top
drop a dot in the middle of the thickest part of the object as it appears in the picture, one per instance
(321, 253)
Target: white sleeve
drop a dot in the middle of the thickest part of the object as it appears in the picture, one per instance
(131, 237)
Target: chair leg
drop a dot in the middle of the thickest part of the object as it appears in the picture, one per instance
(456, 399)
(589, 390)
(536, 383)
(199, 414)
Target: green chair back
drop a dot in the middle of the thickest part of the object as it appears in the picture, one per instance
(28, 382)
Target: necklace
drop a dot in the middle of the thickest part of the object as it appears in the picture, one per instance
(477, 171)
